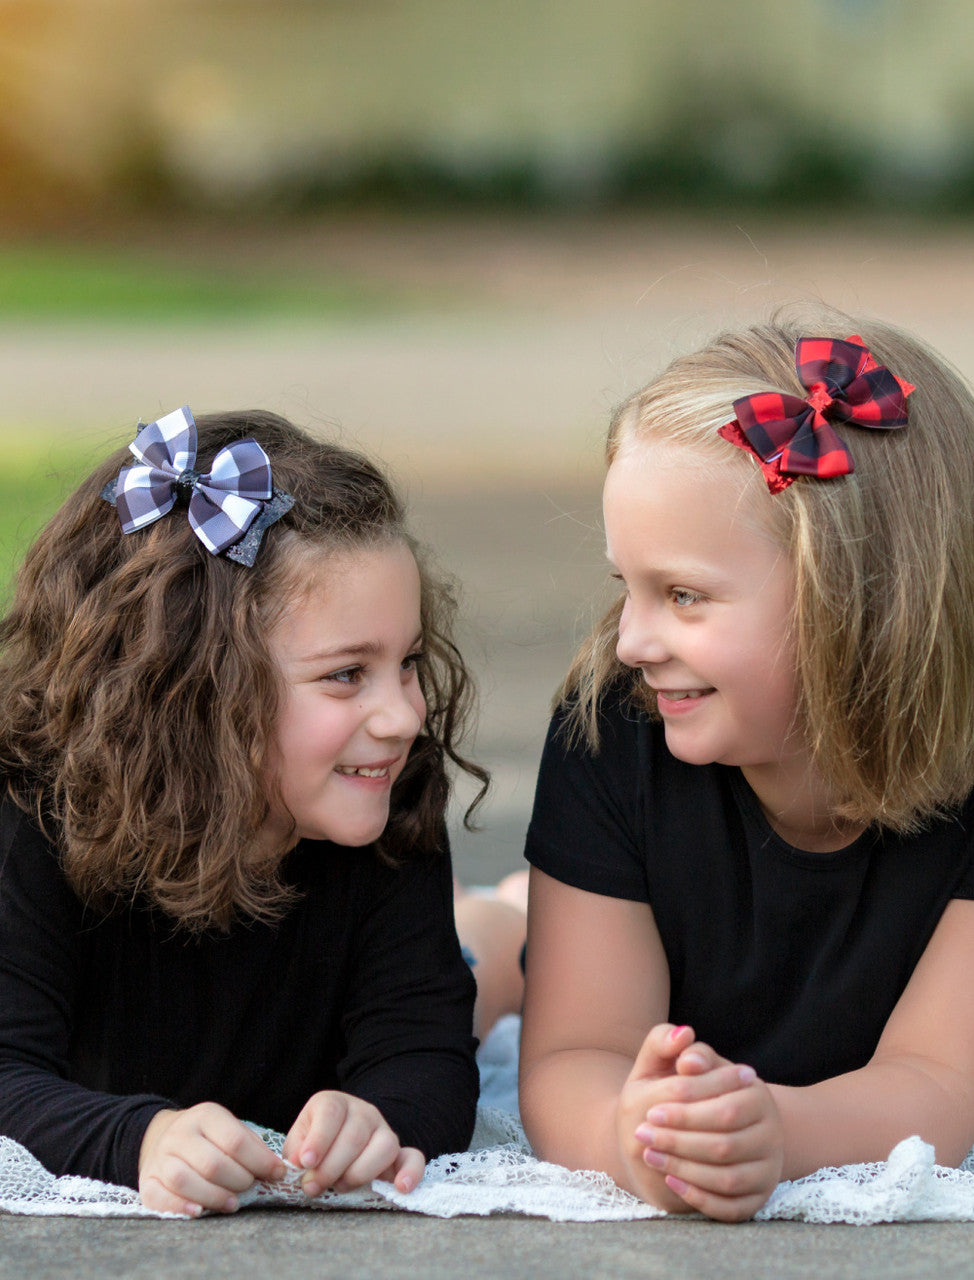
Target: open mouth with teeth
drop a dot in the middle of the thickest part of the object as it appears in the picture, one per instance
(351, 771)
(678, 695)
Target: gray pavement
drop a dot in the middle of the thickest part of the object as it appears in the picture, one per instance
(531, 565)
(492, 415)
(261, 1244)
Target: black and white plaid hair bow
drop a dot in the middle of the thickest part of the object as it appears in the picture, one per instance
(230, 506)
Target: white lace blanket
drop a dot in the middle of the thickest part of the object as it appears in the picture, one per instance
(500, 1175)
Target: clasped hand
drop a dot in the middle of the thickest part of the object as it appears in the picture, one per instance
(698, 1132)
(204, 1157)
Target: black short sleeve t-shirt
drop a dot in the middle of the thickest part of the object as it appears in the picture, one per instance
(787, 960)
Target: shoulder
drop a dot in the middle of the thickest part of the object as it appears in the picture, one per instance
(587, 825)
(948, 841)
(34, 889)
(21, 834)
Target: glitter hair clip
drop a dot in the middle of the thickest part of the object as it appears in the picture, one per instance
(793, 437)
(229, 507)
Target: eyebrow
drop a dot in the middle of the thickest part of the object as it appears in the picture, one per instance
(367, 649)
(699, 571)
(675, 566)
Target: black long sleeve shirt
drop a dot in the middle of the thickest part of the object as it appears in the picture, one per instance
(105, 1019)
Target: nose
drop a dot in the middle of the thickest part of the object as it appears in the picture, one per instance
(399, 710)
(641, 641)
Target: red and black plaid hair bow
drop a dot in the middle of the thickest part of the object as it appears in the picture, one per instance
(792, 437)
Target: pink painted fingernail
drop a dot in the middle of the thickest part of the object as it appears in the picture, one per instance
(308, 1159)
(657, 1115)
(406, 1184)
(677, 1184)
(746, 1075)
(194, 1210)
(654, 1158)
(645, 1134)
(677, 1031)
(695, 1059)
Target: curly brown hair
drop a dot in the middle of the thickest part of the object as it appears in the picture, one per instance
(138, 693)
(884, 560)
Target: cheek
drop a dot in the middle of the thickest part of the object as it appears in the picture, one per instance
(311, 725)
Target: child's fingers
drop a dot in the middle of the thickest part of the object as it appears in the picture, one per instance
(737, 1146)
(658, 1051)
(408, 1169)
(359, 1153)
(729, 1181)
(214, 1167)
(248, 1153)
(160, 1199)
(405, 1172)
(727, 1111)
(316, 1128)
(686, 1091)
(203, 1157)
(698, 1058)
(720, 1208)
(182, 1177)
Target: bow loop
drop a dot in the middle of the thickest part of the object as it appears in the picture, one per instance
(792, 437)
(223, 503)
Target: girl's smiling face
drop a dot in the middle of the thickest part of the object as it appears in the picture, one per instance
(348, 650)
(706, 619)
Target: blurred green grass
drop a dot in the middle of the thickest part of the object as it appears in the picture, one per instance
(76, 283)
(46, 284)
(35, 478)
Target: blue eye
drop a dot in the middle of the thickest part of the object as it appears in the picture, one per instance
(682, 596)
(347, 675)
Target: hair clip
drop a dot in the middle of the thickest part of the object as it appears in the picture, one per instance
(229, 507)
(792, 437)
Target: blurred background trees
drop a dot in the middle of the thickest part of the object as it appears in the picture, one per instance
(294, 104)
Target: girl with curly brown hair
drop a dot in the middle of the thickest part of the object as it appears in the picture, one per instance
(228, 699)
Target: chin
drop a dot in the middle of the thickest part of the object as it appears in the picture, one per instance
(357, 840)
(691, 753)
(350, 837)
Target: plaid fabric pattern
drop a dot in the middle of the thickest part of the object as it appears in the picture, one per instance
(223, 503)
(794, 437)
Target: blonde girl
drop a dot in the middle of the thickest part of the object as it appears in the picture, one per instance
(751, 926)
(228, 697)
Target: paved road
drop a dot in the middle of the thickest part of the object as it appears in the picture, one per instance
(262, 1245)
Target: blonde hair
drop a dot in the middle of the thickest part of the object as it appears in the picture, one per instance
(883, 618)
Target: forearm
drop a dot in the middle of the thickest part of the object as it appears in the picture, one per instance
(71, 1129)
(862, 1115)
(570, 1107)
